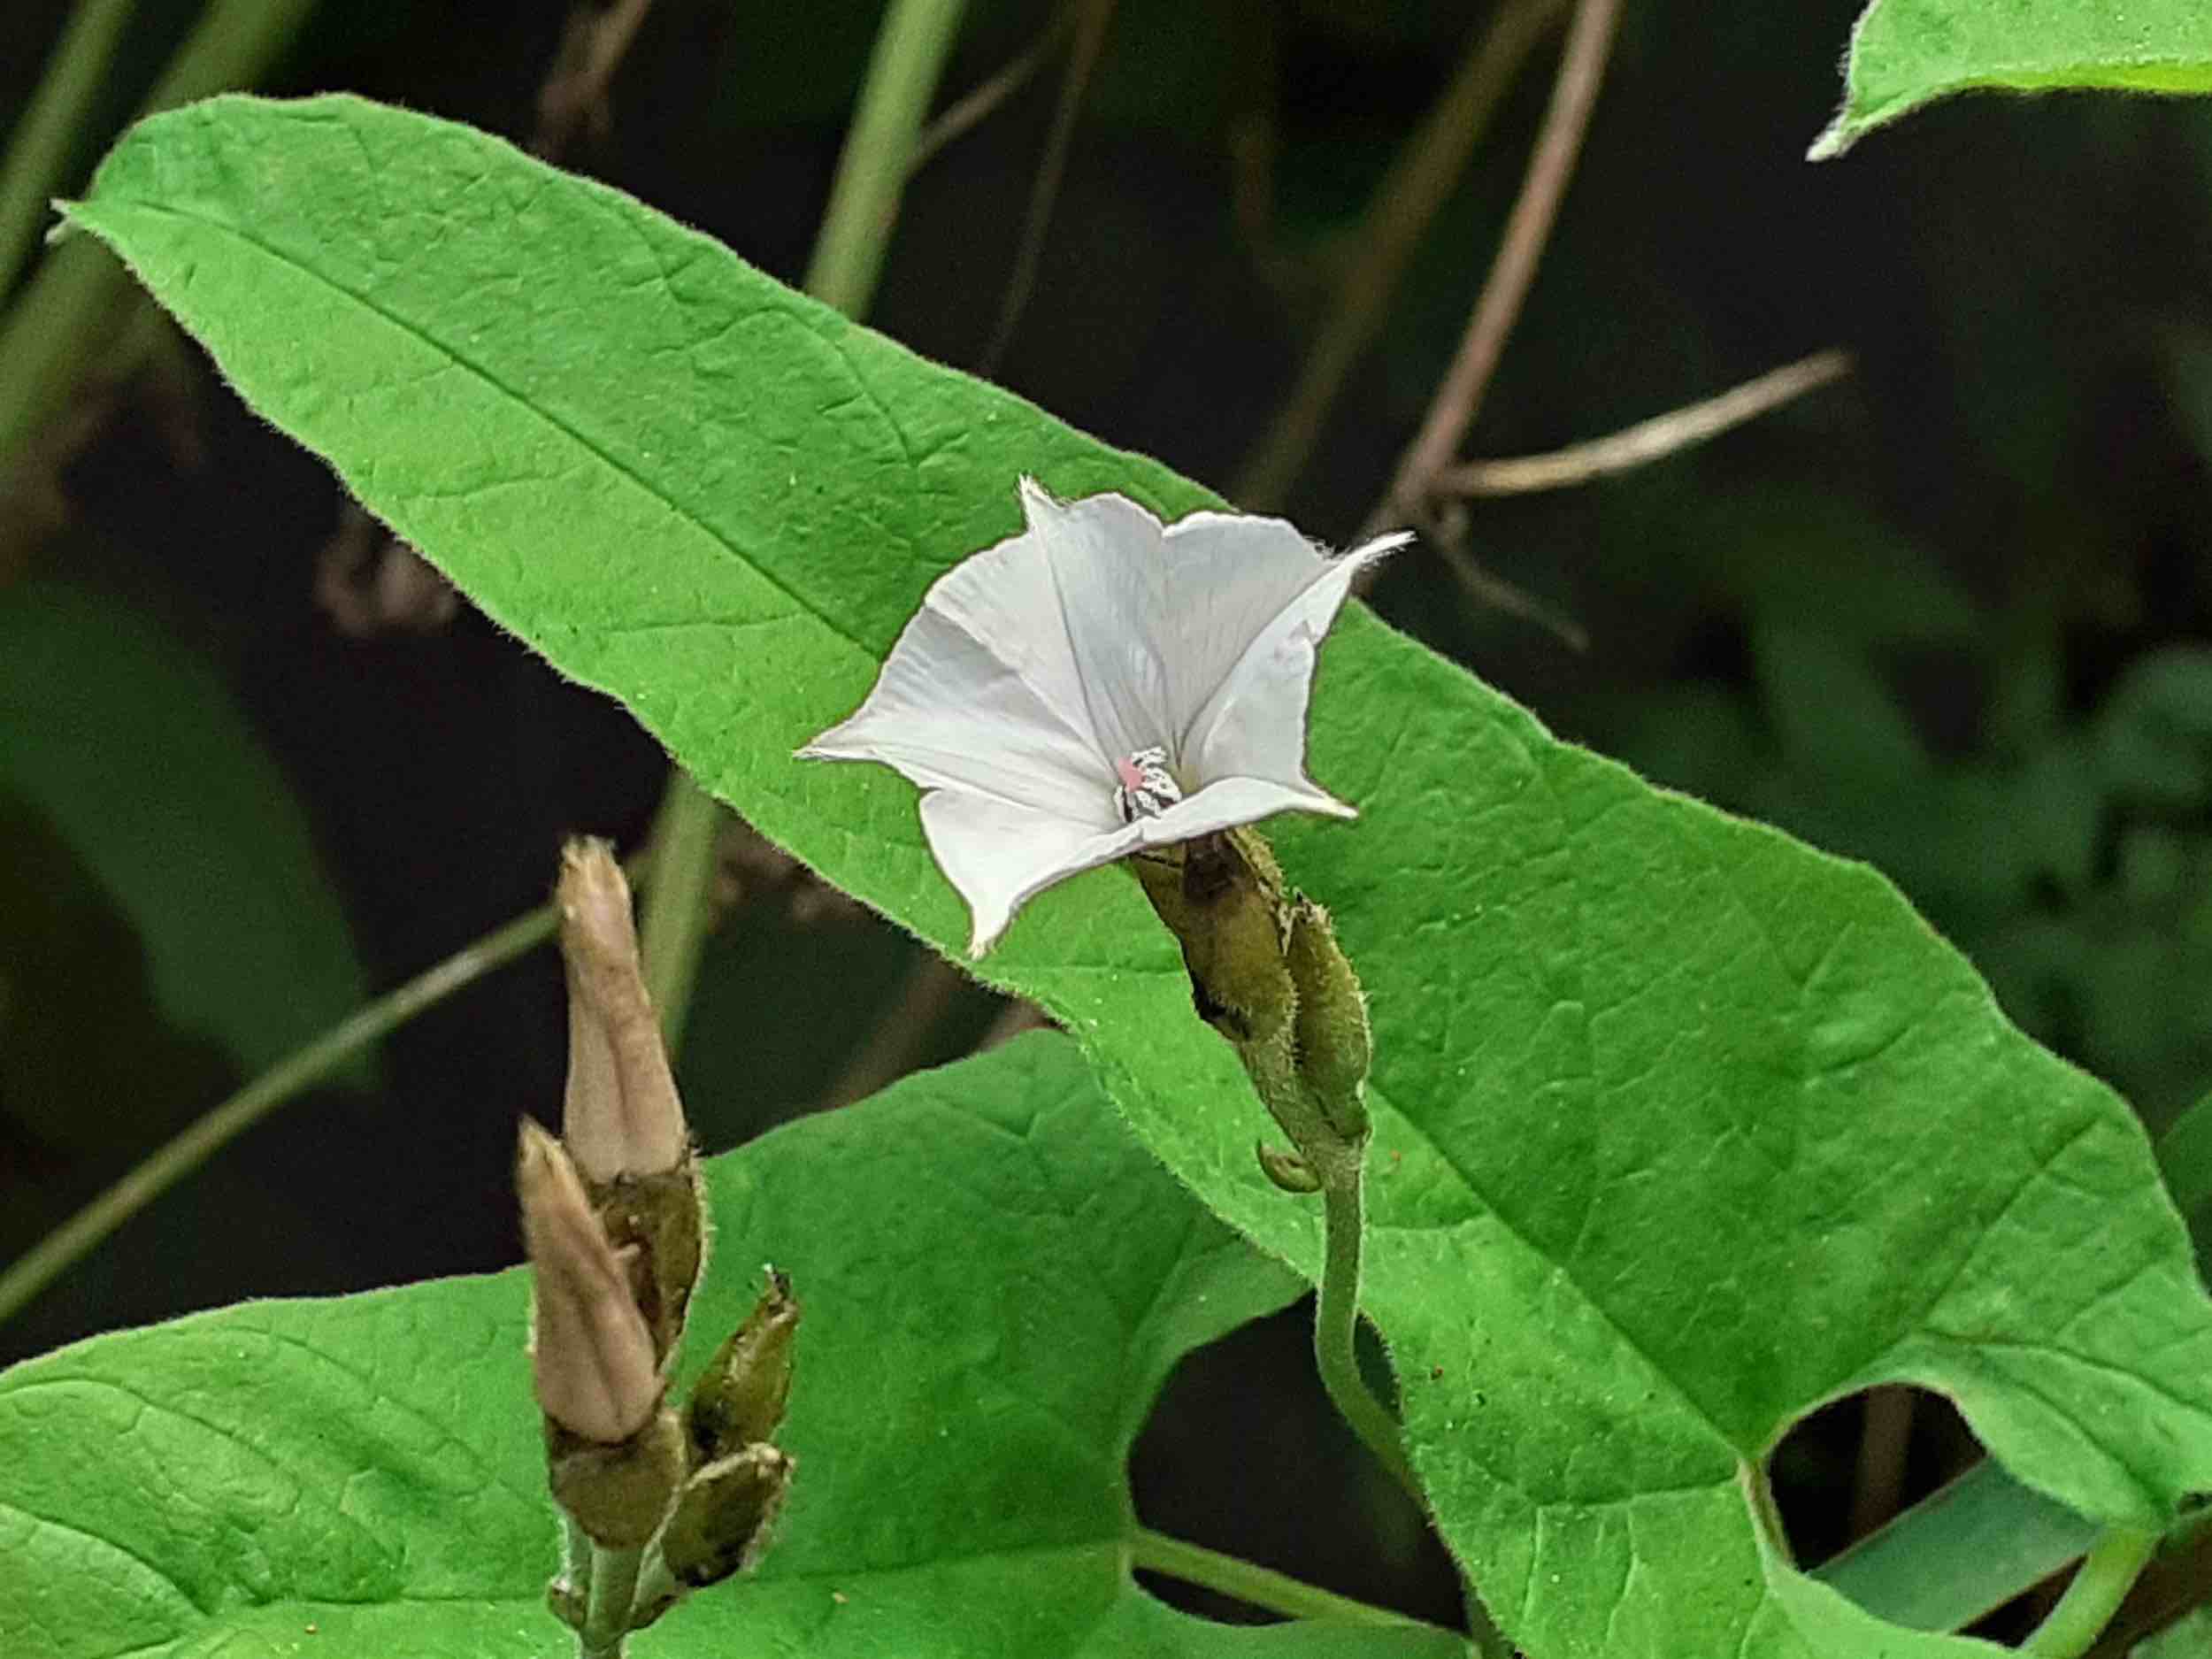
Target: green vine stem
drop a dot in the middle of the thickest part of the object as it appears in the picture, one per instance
(56, 325)
(47, 129)
(872, 172)
(69, 1243)
(903, 74)
(1251, 1584)
(1336, 1353)
(614, 1574)
(679, 907)
(1336, 1320)
(2107, 1572)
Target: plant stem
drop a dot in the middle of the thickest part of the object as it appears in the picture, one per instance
(1251, 1584)
(1647, 441)
(679, 908)
(39, 150)
(68, 1244)
(2094, 1595)
(966, 112)
(607, 1610)
(1336, 1319)
(63, 312)
(1091, 18)
(903, 74)
(1419, 182)
(1581, 68)
(872, 172)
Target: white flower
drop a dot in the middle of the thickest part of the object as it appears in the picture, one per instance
(1099, 684)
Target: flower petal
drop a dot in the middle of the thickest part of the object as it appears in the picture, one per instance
(1001, 856)
(1229, 801)
(1106, 558)
(950, 712)
(589, 1350)
(1159, 618)
(1253, 725)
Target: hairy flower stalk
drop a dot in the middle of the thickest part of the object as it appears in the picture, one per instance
(1104, 687)
(614, 1223)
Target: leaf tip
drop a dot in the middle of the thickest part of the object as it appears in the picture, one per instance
(1838, 136)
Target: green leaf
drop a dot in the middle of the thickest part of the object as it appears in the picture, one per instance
(2184, 1157)
(1683, 1128)
(1905, 53)
(996, 1280)
(127, 740)
(2188, 1638)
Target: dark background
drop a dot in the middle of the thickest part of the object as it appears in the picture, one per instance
(1950, 615)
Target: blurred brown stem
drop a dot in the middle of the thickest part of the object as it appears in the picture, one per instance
(574, 93)
(2177, 1581)
(897, 1037)
(972, 109)
(1419, 181)
(1878, 1483)
(1091, 18)
(1452, 409)
(1647, 441)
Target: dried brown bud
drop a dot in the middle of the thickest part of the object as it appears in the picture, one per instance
(590, 1351)
(621, 1115)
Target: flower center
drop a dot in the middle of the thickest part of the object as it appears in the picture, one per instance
(1147, 788)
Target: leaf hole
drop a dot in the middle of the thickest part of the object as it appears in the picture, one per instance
(1849, 1469)
(1243, 1454)
(1852, 1465)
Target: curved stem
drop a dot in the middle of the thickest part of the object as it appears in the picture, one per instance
(1250, 1583)
(1335, 1349)
(69, 1243)
(1419, 182)
(2094, 1595)
(1581, 68)
(1336, 1322)
(1648, 440)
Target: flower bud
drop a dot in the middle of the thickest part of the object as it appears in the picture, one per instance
(597, 1372)
(1335, 1046)
(621, 1115)
(739, 1399)
(1223, 900)
(623, 1123)
(619, 1494)
(724, 1513)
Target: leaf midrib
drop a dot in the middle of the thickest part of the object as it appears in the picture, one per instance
(88, 214)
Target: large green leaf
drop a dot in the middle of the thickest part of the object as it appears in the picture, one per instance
(996, 1280)
(1682, 1127)
(1905, 53)
(127, 741)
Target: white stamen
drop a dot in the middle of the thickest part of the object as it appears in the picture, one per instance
(1147, 788)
